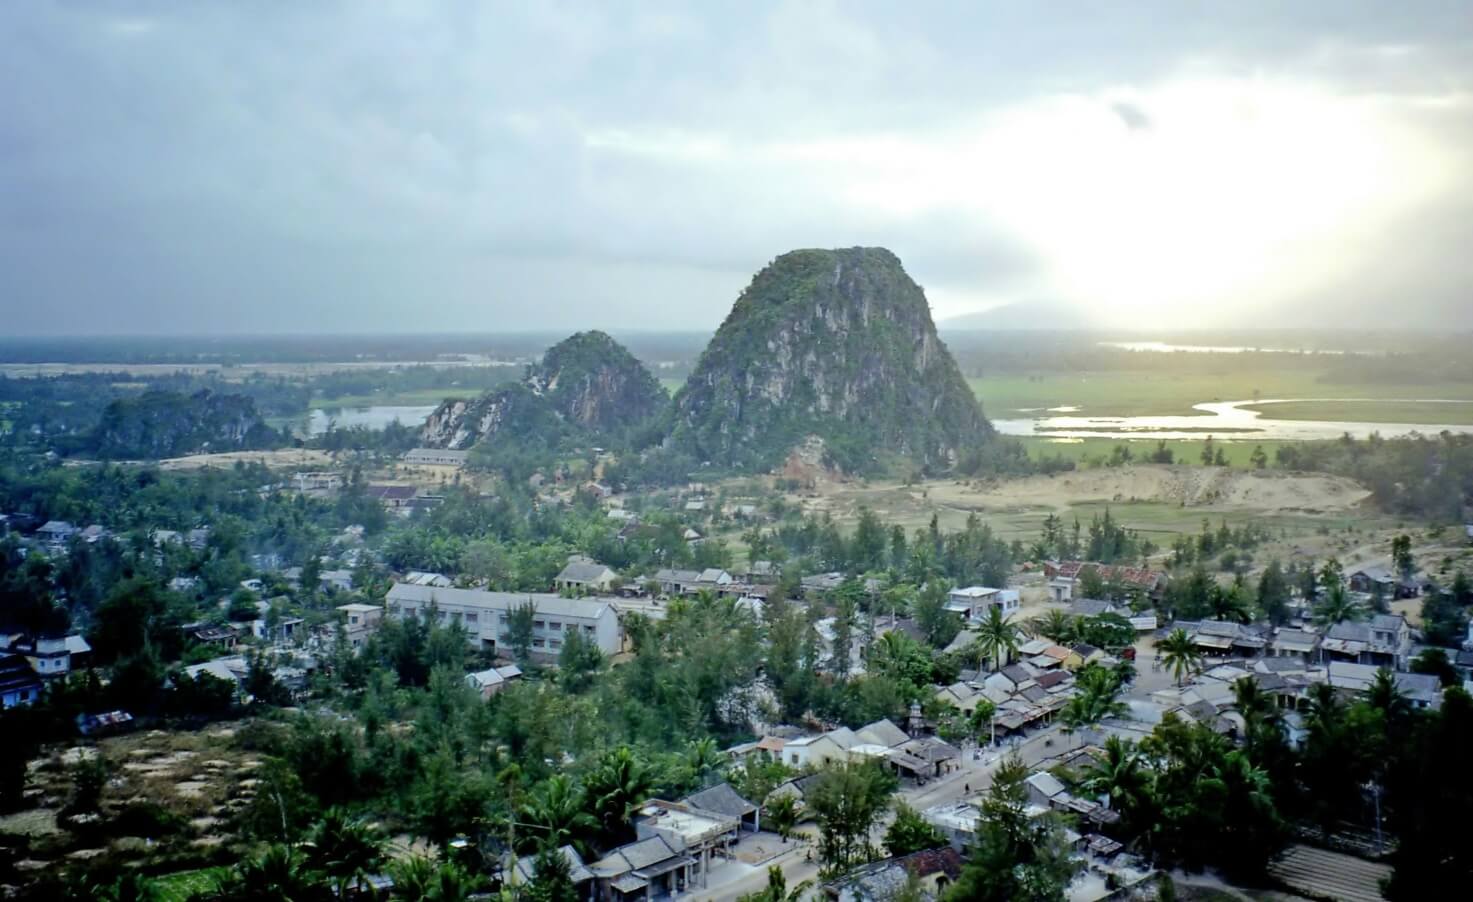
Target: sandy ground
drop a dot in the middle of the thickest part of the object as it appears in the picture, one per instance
(1192, 486)
(287, 457)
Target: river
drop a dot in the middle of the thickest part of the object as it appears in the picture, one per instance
(1222, 420)
(375, 417)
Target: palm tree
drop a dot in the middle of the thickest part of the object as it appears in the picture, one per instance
(616, 789)
(980, 719)
(1386, 697)
(1120, 777)
(345, 848)
(783, 813)
(421, 879)
(1055, 624)
(704, 758)
(1337, 607)
(276, 875)
(1260, 713)
(1180, 654)
(1095, 700)
(556, 812)
(777, 889)
(130, 886)
(997, 637)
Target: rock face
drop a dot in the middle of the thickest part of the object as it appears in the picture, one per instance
(159, 424)
(587, 384)
(837, 344)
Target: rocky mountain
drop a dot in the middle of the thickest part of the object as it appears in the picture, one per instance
(586, 385)
(159, 424)
(833, 344)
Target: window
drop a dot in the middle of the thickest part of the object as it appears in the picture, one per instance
(539, 624)
(588, 629)
(554, 643)
(539, 643)
(472, 617)
(554, 624)
(409, 612)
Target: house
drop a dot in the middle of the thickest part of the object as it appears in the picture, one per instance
(423, 578)
(820, 583)
(525, 870)
(392, 497)
(1043, 788)
(723, 800)
(1421, 690)
(796, 789)
(360, 622)
(881, 881)
(56, 533)
(491, 681)
(882, 732)
(1380, 582)
(1384, 641)
(812, 751)
(650, 868)
(94, 534)
(336, 580)
(1063, 576)
(939, 756)
(486, 616)
(972, 602)
(435, 457)
(584, 575)
(695, 506)
(50, 658)
(1293, 643)
(598, 490)
(956, 820)
(678, 582)
(19, 683)
(700, 833)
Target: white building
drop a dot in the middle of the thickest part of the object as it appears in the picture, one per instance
(485, 616)
(435, 457)
(972, 602)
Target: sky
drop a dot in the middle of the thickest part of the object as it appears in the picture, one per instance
(429, 167)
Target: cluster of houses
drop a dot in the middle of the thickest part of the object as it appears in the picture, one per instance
(28, 662)
(675, 847)
(1385, 640)
(912, 756)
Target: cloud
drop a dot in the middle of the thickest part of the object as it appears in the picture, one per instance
(490, 166)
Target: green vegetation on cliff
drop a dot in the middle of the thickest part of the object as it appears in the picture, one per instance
(837, 344)
(160, 424)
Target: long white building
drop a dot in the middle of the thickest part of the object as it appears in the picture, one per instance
(484, 616)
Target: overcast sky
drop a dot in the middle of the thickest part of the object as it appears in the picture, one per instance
(189, 167)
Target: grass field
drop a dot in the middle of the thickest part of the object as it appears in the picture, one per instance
(1161, 394)
(1363, 411)
(180, 886)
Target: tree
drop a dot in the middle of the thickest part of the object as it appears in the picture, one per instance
(1015, 857)
(1118, 775)
(1401, 557)
(1337, 606)
(1180, 654)
(846, 800)
(1434, 661)
(278, 874)
(558, 813)
(981, 720)
(910, 832)
(1258, 458)
(1273, 594)
(937, 624)
(421, 879)
(997, 637)
(1208, 457)
(614, 791)
(1096, 699)
(519, 627)
(782, 813)
(579, 661)
(345, 849)
(777, 889)
(1056, 624)
(552, 878)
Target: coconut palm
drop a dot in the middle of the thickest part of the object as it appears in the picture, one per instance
(1097, 699)
(1180, 654)
(1387, 698)
(556, 812)
(615, 789)
(777, 889)
(705, 759)
(421, 879)
(345, 848)
(997, 637)
(1055, 624)
(1120, 777)
(1337, 607)
(276, 875)
(1259, 711)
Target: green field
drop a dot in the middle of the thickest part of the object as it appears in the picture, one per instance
(1362, 411)
(422, 397)
(1154, 393)
(180, 886)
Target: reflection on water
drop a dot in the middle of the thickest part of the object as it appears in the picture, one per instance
(1225, 419)
(376, 417)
